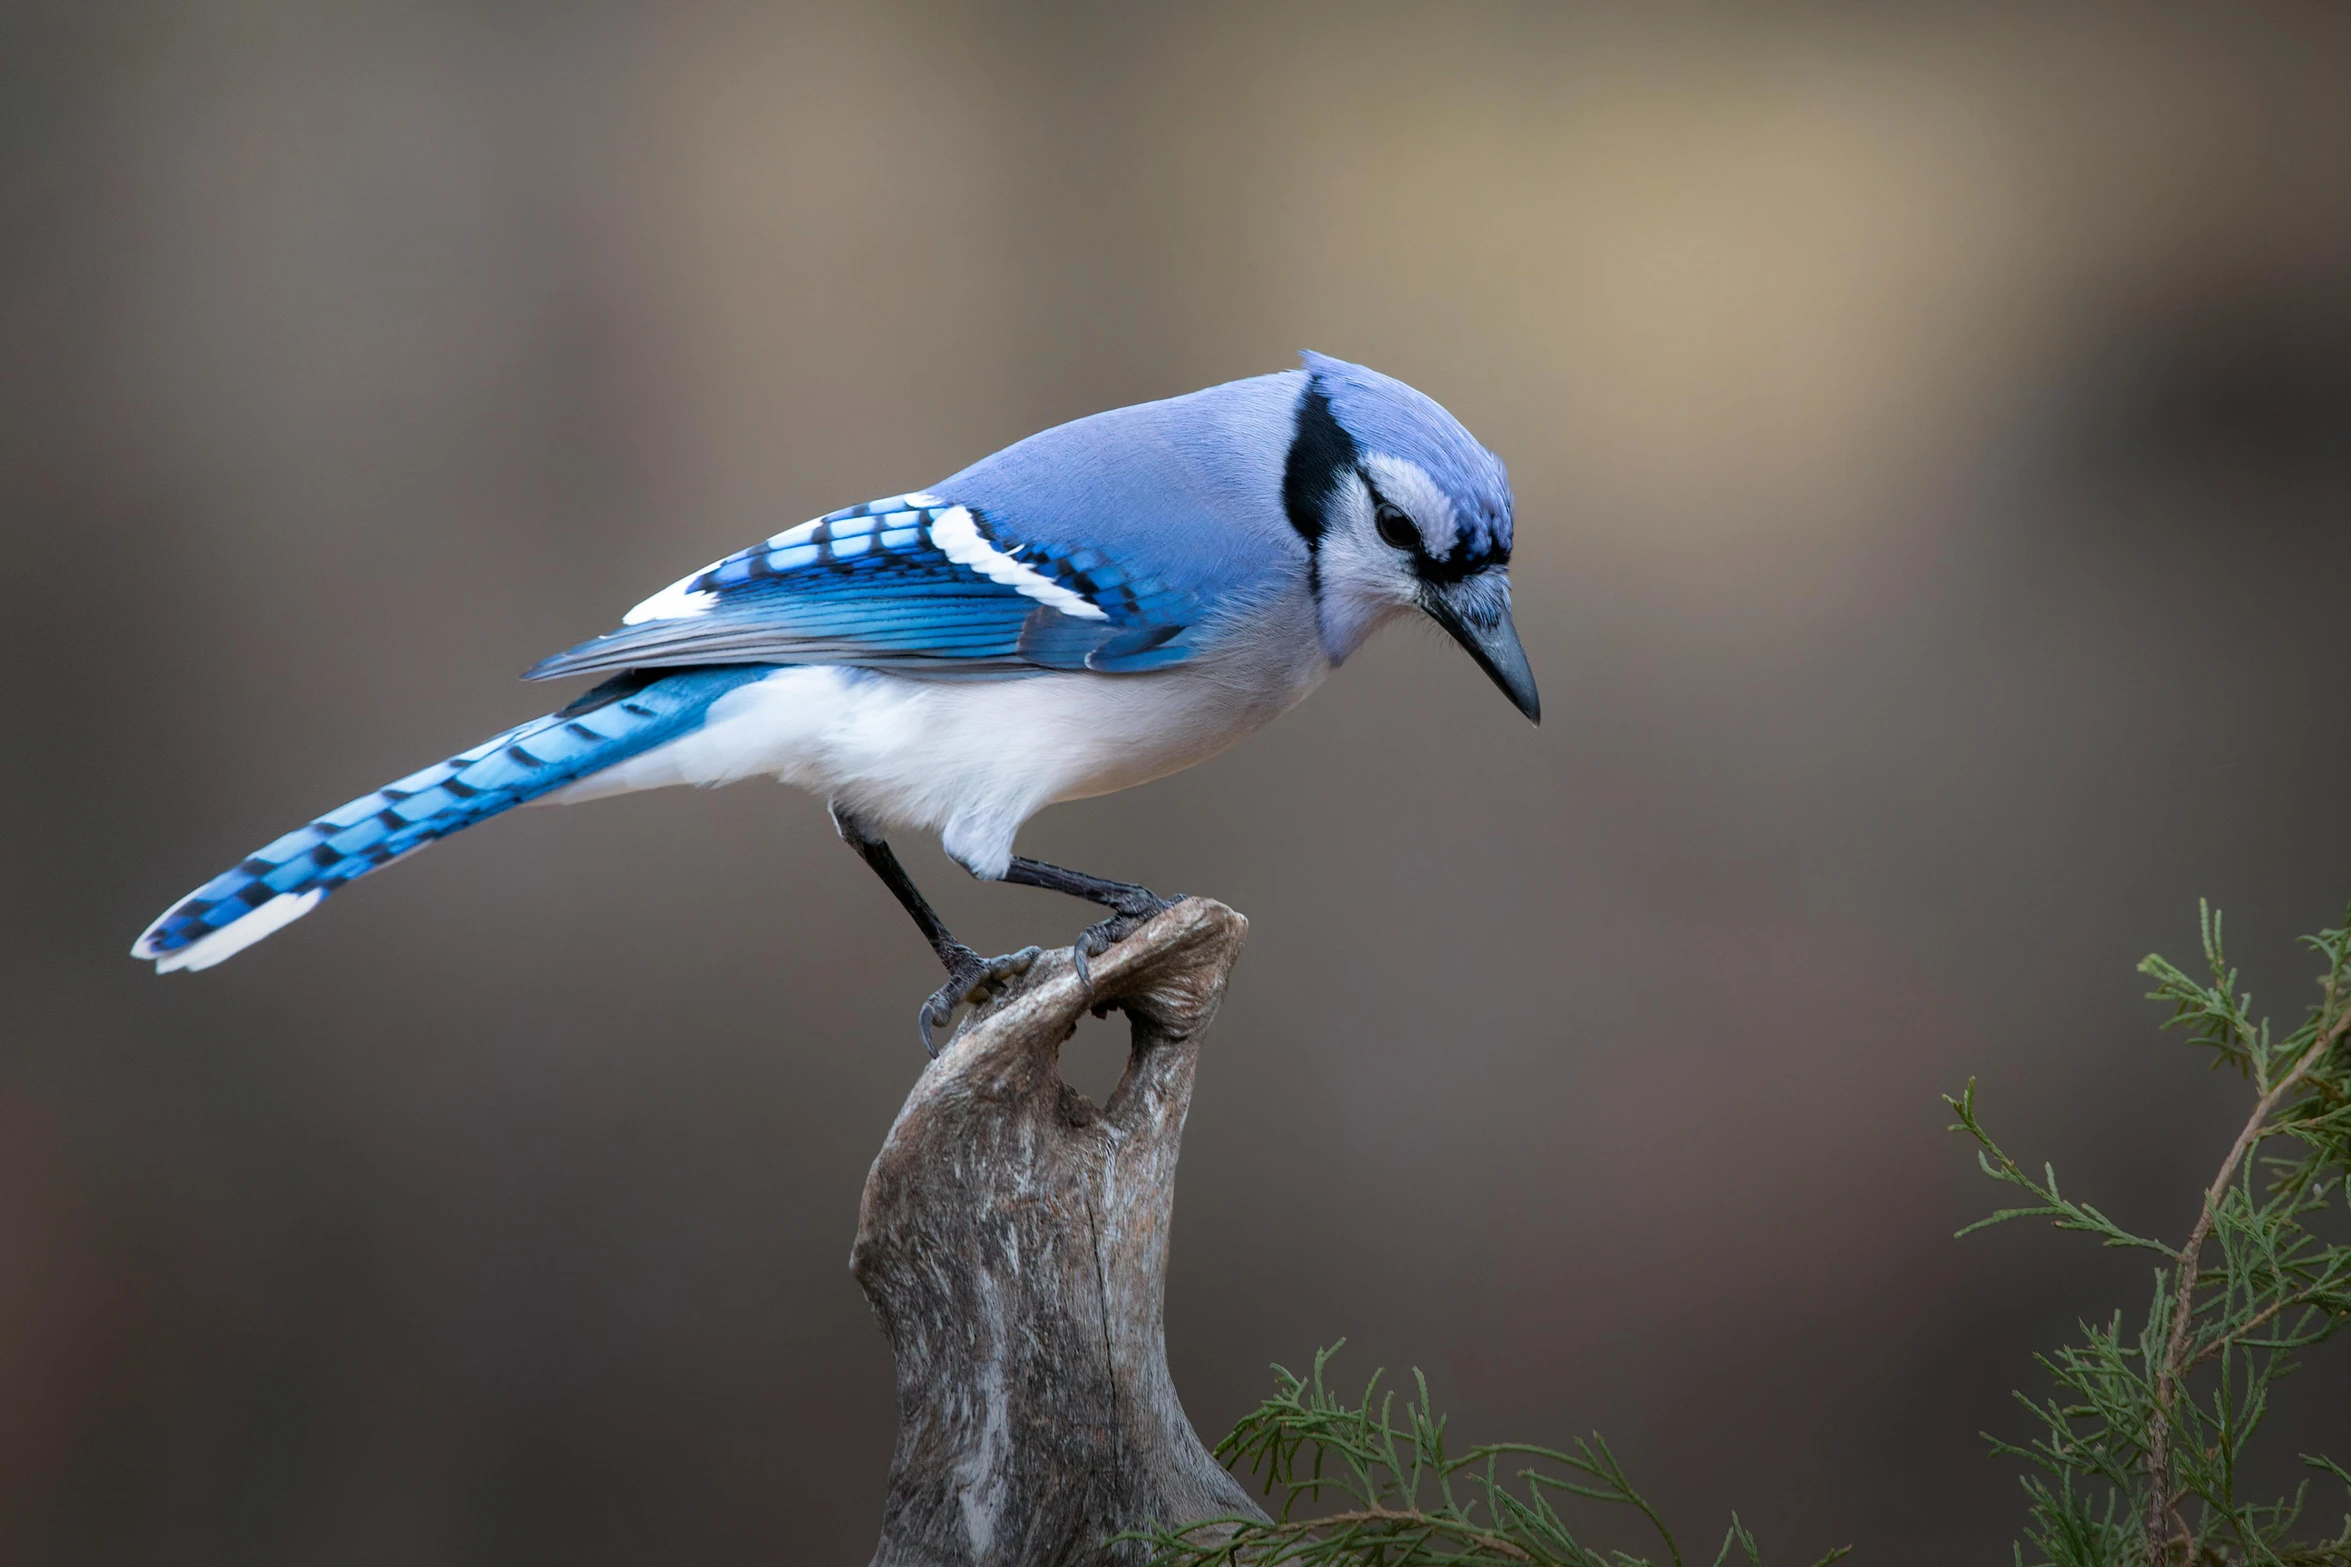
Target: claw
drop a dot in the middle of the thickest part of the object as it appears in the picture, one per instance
(972, 980)
(1102, 935)
(923, 1022)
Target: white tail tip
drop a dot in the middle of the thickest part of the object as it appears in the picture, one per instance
(237, 935)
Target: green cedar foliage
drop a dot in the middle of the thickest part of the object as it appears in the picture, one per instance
(1386, 1492)
(2140, 1449)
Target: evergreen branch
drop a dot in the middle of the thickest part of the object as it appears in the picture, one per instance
(2133, 1463)
(2176, 1346)
(1995, 1162)
(1408, 1501)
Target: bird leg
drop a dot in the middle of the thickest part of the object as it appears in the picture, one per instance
(1129, 905)
(970, 977)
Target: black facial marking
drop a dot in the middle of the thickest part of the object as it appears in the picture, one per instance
(1433, 569)
(1320, 452)
(1453, 567)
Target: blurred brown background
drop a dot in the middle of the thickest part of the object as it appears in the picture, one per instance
(1932, 435)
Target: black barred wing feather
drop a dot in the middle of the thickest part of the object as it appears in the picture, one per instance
(910, 583)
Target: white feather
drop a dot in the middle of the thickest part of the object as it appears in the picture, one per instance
(1424, 500)
(235, 937)
(973, 759)
(958, 538)
(672, 603)
(1366, 581)
(953, 531)
(798, 533)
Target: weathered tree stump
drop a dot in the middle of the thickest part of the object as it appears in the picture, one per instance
(1013, 1242)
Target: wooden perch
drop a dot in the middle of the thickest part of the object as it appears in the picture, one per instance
(1013, 1242)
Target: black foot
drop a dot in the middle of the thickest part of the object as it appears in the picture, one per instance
(971, 978)
(1102, 935)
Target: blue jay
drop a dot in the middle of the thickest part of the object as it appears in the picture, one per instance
(1091, 608)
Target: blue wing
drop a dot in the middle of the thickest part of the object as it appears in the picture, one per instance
(911, 582)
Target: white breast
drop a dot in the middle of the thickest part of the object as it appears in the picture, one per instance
(969, 759)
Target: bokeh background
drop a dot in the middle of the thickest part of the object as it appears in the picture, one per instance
(1932, 437)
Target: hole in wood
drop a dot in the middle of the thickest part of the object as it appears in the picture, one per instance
(1095, 1057)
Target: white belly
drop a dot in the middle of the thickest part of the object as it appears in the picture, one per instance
(969, 759)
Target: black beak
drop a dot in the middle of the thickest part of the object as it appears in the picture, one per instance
(1476, 614)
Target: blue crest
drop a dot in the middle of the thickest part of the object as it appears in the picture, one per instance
(1382, 414)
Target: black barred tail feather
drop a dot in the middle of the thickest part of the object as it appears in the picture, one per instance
(624, 717)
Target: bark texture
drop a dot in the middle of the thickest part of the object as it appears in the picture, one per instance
(1013, 1242)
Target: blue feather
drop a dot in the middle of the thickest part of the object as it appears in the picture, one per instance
(610, 724)
(874, 586)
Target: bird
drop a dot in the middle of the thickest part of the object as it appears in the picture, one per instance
(1099, 605)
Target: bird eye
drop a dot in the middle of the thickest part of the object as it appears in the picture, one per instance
(1395, 528)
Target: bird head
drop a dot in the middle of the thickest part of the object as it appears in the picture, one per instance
(1404, 511)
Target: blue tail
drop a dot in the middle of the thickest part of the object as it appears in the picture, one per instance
(625, 716)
